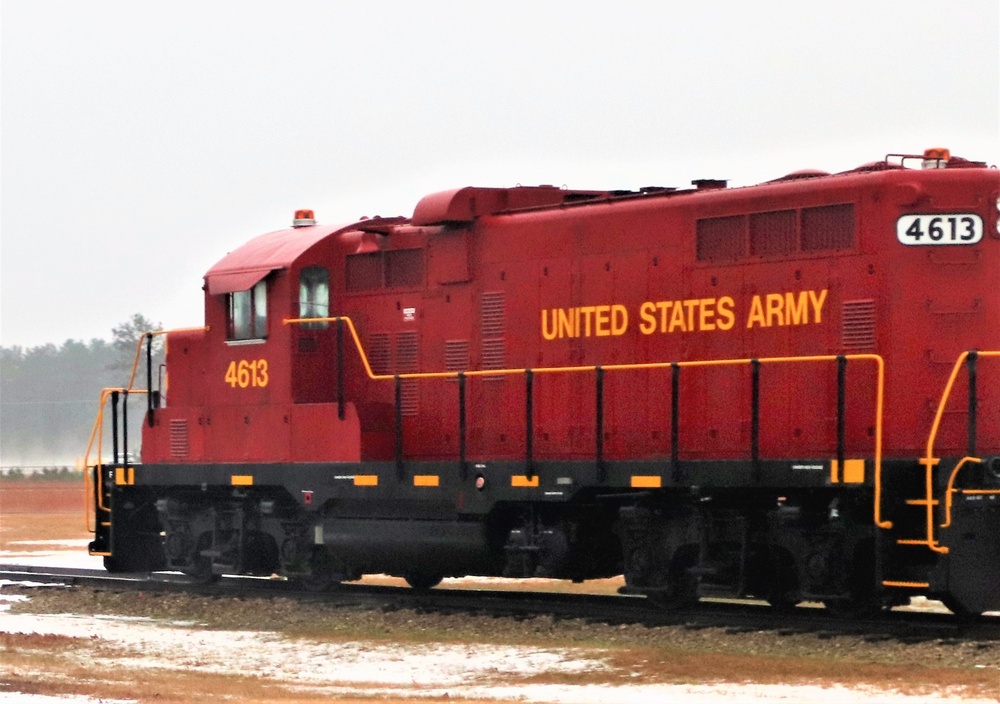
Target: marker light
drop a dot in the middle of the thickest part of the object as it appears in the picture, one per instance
(303, 218)
(936, 158)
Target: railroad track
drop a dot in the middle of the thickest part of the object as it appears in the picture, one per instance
(732, 616)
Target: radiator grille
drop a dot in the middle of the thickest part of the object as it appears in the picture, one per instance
(180, 445)
(773, 234)
(456, 356)
(407, 361)
(493, 332)
(828, 227)
(721, 238)
(858, 326)
(380, 353)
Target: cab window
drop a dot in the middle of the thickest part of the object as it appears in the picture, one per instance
(314, 294)
(248, 313)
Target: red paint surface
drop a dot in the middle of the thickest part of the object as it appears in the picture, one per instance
(548, 249)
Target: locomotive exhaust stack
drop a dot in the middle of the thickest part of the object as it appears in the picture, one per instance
(789, 391)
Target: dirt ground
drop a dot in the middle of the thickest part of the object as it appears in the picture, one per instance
(27, 496)
(108, 645)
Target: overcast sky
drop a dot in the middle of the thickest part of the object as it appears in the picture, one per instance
(142, 141)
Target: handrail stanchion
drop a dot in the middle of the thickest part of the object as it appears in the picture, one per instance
(125, 428)
(973, 400)
(340, 368)
(149, 378)
(529, 411)
(755, 418)
(463, 466)
(399, 426)
(599, 430)
(841, 410)
(114, 426)
(675, 420)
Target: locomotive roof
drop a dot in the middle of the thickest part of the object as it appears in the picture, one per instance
(245, 266)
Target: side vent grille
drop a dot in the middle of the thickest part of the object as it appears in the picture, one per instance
(492, 332)
(407, 357)
(828, 227)
(721, 238)
(180, 445)
(456, 356)
(773, 234)
(858, 326)
(380, 353)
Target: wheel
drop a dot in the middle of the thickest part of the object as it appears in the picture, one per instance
(423, 581)
(200, 570)
(326, 571)
(863, 600)
(682, 589)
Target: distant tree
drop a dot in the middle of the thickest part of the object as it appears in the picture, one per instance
(49, 394)
(125, 338)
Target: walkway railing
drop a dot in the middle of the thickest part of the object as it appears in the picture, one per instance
(599, 371)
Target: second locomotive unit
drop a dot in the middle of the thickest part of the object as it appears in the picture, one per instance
(788, 391)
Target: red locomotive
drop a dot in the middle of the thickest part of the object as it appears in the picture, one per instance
(789, 390)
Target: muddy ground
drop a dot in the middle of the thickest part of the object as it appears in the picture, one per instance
(171, 647)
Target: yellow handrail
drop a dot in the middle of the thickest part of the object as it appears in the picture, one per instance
(97, 431)
(951, 488)
(930, 461)
(877, 359)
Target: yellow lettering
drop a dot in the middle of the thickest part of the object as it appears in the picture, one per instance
(586, 312)
(602, 319)
(817, 304)
(724, 310)
(706, 311)
(690, 305)
(549, 335)
(756, 314)
(619, 319)
(664, 306)
(566, 323)
(677, 318)
(231, 374)
(648, 324)
(247, 373)
(775, 309)
(796, 312)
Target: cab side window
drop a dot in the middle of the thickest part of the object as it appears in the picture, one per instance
(248, 313)
(314, 294)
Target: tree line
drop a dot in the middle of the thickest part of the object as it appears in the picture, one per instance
(49, 395)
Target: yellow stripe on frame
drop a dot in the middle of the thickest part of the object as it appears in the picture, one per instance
(131, 476)
(120, 476)
(854, 472)
(241, 480)
(523, 481)
(365, 480)
(646, 482)
(426, 480)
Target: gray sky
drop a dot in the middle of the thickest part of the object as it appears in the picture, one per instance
(142, 141)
